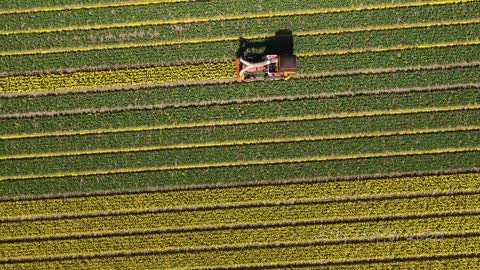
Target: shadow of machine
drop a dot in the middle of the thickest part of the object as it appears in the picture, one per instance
(272, 58)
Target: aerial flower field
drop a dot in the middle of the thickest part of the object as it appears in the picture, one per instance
(127, 140)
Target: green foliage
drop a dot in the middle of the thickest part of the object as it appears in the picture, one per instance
(161, 12)
(228, 49)
(244, 111)
(239, 153)
(240, 28)
(240, 174)
(235, 133)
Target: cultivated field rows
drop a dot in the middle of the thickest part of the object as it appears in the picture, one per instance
(332, 24)
(241, 215)
(190, 199)
(273, 233)
(299, 253)
(330, 85)
(266, 216)
(127, 143)
(195, 11)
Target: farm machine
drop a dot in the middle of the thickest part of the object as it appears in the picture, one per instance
(273, 67)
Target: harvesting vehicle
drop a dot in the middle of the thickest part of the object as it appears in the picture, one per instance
(273, 67)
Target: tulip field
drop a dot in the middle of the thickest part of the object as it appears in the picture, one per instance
(127, 142)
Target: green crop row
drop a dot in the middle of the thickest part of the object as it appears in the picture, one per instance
(240, 27)
(392, 59)
(330, 127)
(344, 105)
(453, 161)
(221, 50)
(238, 195)
(251, 215)
(160, 13)
(414, 228)
(271, 256)
(230, 154)
(328, 85)
(391, 38)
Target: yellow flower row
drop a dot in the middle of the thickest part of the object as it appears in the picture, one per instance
(414, 228)
(117, 78)
(237, 195)
(238, 17)
(218, 217)
(242, 163)
(241, 122)
(262, 257)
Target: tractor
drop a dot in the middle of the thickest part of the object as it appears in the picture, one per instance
(273, 67)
